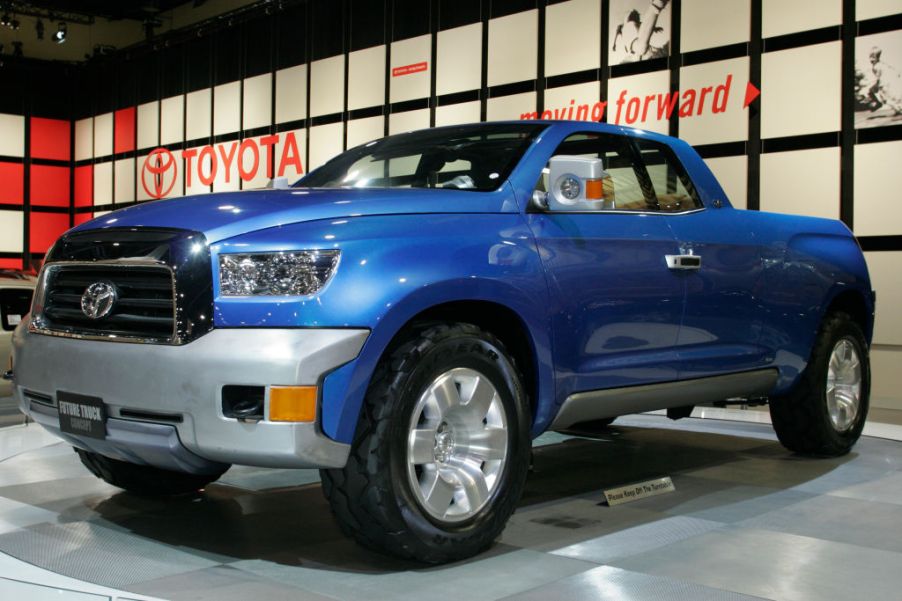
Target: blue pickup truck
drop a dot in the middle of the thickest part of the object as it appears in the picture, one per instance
(407, 317)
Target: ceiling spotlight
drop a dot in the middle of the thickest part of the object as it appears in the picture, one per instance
(60, 35)
(39, 29)
(5, 20)
(14, 24)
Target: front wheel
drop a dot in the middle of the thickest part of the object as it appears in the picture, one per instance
(441, 451)
(825, 412)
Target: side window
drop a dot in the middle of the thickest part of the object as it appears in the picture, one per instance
(635, 175)
(673, 189)
(403, 172)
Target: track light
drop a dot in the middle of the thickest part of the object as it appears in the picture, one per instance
(60, 35)
(5, 20)
(39, 29)
(14, 24)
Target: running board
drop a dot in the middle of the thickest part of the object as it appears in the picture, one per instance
(613, 402)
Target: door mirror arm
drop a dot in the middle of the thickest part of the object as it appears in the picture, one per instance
(538, 202)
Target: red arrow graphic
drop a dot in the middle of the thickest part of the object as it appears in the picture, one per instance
(751, 92)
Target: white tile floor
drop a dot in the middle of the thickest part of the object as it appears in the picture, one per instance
(748, 520)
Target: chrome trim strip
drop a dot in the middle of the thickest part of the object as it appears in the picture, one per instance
(621, 212)
(625, 212)
(614, 402)
(37, 397)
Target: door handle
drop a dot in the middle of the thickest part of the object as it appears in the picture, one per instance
(683, 261)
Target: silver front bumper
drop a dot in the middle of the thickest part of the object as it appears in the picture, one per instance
(187, 381)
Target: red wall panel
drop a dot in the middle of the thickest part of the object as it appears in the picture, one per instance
(45, 228)
(83, 217)
(10, 263)
(50, 139)
(84, 186)
(12, 182)
(49, 186)
(124, 130)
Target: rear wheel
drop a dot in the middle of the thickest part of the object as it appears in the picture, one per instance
(441, 450)
(825, 413)
(144, 479)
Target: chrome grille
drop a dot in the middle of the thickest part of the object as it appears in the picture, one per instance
(162, 281)
(144, 309)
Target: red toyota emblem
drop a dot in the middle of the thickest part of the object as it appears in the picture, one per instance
(159, 173)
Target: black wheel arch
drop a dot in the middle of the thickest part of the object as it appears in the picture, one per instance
(856, 305)
(499, 320)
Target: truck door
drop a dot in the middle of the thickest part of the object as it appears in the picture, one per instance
(721, 269)
(617, 307)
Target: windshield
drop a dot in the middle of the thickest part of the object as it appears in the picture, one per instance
(471, 157)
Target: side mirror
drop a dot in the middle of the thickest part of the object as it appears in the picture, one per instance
(576, 183)
(279, 183)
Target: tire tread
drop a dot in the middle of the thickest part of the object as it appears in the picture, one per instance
(360, 494)
(799, 416)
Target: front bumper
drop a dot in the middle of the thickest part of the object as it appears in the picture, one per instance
(185, 382)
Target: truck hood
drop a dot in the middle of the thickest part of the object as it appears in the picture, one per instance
(223, 215)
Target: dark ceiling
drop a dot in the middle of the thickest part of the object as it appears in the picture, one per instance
(138, 10)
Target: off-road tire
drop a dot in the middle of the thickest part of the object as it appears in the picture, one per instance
(801, 417)
(143, 479)
(371, 496)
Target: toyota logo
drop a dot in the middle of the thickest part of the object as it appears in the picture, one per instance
(98, 300)
(159, 173)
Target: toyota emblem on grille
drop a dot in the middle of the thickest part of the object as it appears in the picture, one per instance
(98, 300)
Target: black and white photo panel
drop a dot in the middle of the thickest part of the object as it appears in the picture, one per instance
(639, 30)
(878, 79)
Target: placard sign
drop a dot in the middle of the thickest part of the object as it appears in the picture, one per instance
(642, 490)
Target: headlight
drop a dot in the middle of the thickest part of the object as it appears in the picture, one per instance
(296, 273)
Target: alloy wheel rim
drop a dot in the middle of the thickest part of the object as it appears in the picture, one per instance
(843, 385)
(457, 445)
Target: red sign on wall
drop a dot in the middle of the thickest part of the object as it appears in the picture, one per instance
(160, 169)
(409, 69)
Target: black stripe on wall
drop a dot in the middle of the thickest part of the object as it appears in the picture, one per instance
(753, 146)
(26, 192)
(604, 70)
(847, 116)
(803, 38)
(803, 142)
(433, 60)
(540, 83)
(880, 243)
(880, 24)
(724, 149)
(675, 61)
(711, 55)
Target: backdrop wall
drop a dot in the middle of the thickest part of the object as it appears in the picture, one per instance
(280, 94)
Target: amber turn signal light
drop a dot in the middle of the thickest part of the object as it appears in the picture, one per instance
(594, 189)
(292, 403)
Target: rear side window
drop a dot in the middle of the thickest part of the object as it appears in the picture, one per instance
(639, 175)
(673, 189)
